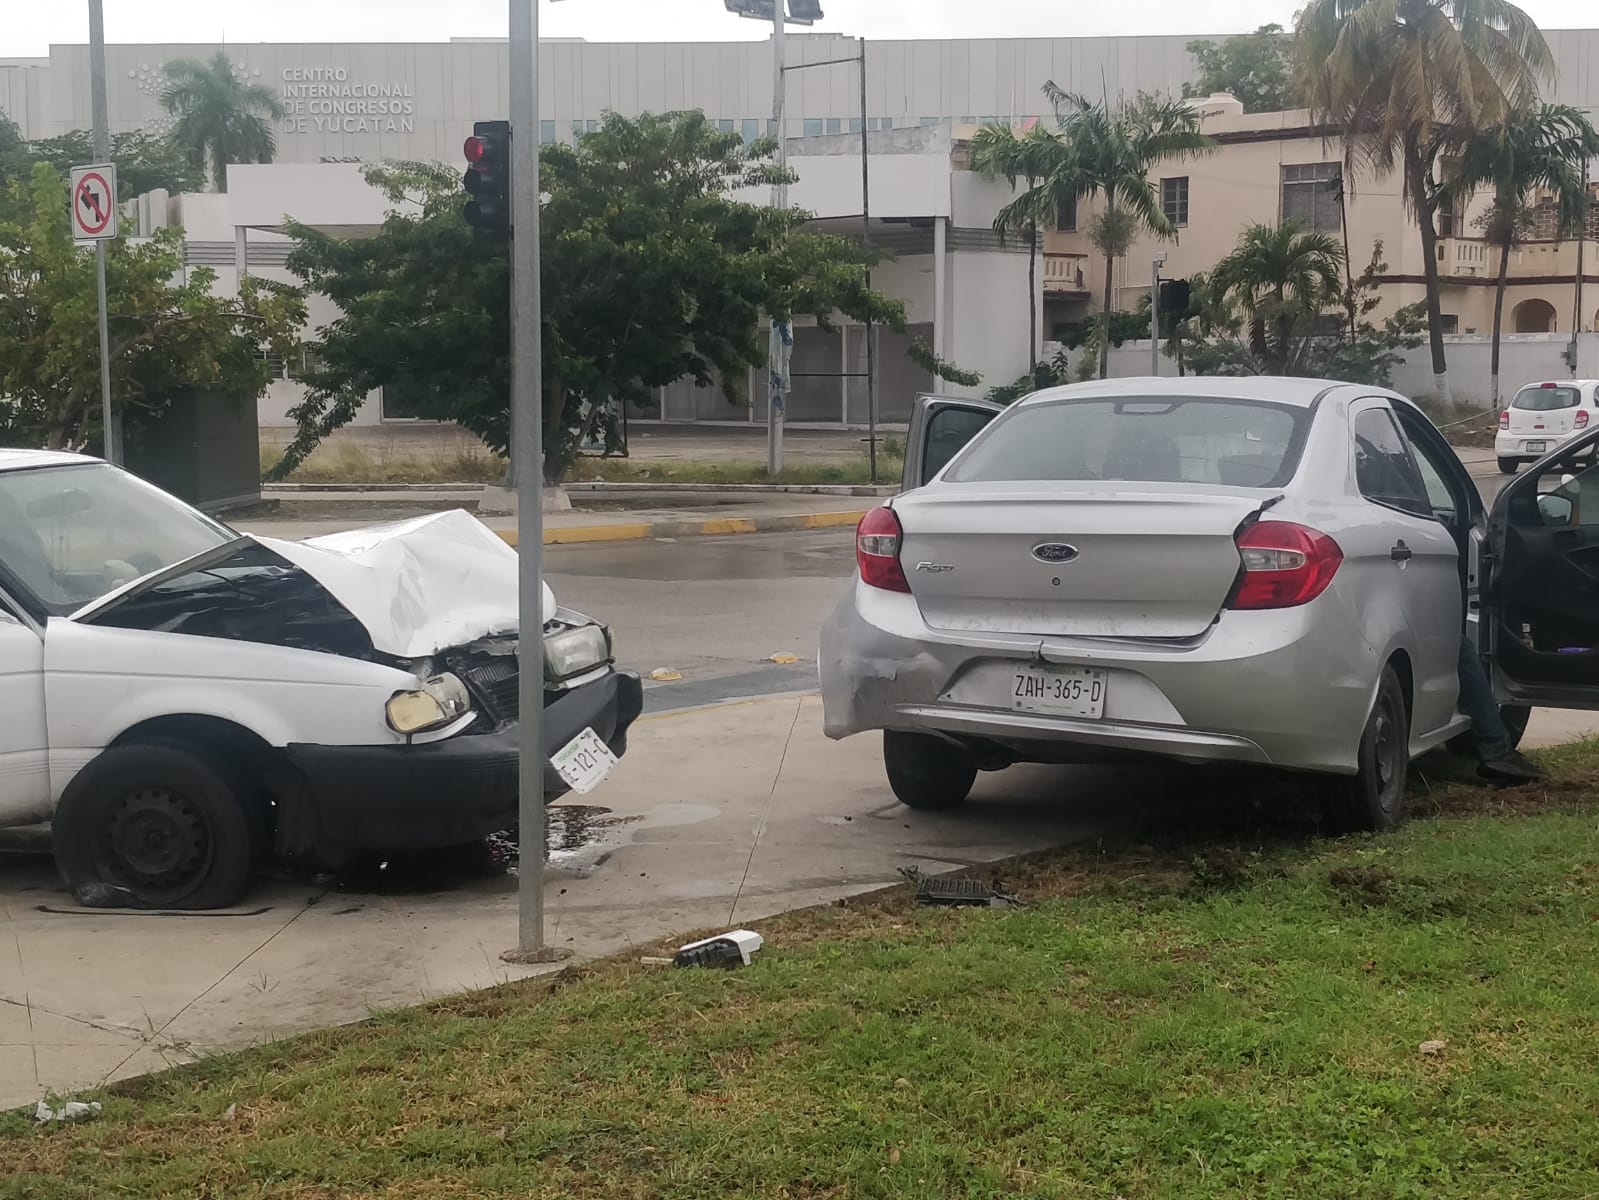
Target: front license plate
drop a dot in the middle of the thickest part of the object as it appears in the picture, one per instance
(1536, 447)
(583, 762)
(1059, 691)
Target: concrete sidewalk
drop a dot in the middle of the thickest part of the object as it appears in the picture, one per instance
(717, 817)
(771, 513)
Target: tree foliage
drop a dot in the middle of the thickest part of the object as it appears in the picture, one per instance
(143, 162)
(1281, 278)
(1405, 80)
(165, 336)
(220, 117)
(653, 271)
(1257, 68)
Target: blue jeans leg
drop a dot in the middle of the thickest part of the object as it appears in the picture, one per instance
(1489, 737)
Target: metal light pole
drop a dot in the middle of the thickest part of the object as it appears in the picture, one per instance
(866, 239)
(527, 456)
(100, 115)
(782, 337)
(1156, 264)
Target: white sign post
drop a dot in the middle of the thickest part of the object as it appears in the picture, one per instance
(94, 219)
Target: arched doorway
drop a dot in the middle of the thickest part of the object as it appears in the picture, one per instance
(1534, 316)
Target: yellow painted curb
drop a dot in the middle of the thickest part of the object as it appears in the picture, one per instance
(712, 527)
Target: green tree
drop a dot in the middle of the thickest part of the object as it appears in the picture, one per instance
(1406, 80)
(998, 152)
(144, 163)
(221, 118)
(1543, 150)
(1281, 278)
(1108, 153)
(1256, 67)
(165, 336)
(651, 271)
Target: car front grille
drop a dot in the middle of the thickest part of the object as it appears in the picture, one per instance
(494, 683)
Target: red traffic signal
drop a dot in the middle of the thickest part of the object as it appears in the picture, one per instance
(488, 178)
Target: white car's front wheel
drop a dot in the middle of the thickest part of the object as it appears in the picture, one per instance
(155, 825)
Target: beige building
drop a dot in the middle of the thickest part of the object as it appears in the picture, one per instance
(1272, 166)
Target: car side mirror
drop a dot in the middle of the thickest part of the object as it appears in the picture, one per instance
(1554, 510)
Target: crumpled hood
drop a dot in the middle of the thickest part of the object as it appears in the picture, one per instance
(418, 586)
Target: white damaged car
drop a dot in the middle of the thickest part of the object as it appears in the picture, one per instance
(181, 702)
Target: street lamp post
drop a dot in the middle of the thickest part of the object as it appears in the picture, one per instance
(1156, 264)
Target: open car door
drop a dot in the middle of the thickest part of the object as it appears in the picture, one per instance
(940, 426)
(1541, 582)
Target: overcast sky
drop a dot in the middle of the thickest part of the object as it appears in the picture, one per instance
(27, 27)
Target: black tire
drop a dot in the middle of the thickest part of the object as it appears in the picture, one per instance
(1509, 465)
(1515, 718)
(927, 772)
(1374, 797)
(156, 825)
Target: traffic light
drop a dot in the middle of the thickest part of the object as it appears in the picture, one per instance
(488, 179)
(1175, 296)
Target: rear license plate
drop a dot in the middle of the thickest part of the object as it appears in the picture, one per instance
(1059, 691)
(583, 762)
(1536, 447)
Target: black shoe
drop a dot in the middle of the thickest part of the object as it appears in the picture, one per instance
(1511, 767)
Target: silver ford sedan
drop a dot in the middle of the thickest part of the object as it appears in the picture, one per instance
(1271, 571)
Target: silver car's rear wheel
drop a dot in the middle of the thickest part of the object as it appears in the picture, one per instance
(1374, 797)
(926, 771)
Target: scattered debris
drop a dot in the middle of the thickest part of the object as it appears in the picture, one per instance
(230, 1112)
(654, 960)
(726, 950)
(947, 891)
(72, 1110)
(96, 893)
(1433, 1048)
(665, 675)
(785, 659)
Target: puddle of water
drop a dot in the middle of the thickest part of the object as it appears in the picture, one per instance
(580, 838)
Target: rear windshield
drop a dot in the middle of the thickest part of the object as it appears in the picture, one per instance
(1545, 399)
(1237, 443)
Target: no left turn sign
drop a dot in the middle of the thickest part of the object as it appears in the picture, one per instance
(94, 203)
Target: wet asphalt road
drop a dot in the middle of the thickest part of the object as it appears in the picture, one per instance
(713, 608)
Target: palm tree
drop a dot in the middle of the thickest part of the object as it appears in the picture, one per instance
(221, 118)
(1281, 278)
(1406, 81)
(997, 151)
(1108, 153)
(1544, 150)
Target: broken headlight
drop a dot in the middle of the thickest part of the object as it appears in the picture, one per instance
(437, 702)
(572, 651)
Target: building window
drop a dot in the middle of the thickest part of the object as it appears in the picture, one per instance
(752, 130)
(725, 126)
(854, 124)
(1451, 322)
(835, 125)
(813, 126)
(932, 121)
(1310, 195)
(1066, 215)
(880, 123)
(577, 131)
(546, 132)
(1174, 199)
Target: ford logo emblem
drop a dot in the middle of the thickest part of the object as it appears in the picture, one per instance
(1054, 552)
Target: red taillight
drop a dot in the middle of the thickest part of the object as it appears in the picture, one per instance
(1285, 565)
(1504, 419)
(1581, 419)
(877, 551)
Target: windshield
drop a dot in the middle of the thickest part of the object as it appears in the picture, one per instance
(1545, 399)
(1164, 439)
(71, 534)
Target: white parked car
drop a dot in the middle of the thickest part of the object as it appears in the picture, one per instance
(180, 701)
(1542, 416)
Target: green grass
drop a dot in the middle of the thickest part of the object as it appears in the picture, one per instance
(1224, 1006)
(347, 462)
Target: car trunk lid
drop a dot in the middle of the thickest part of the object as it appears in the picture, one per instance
(1073, 559)
(1545, 410)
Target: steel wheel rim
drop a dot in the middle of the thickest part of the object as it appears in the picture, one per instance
(158, 843)
(1388, 752)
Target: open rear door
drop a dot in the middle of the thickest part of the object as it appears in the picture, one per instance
(940, 426)
(1541, 605)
